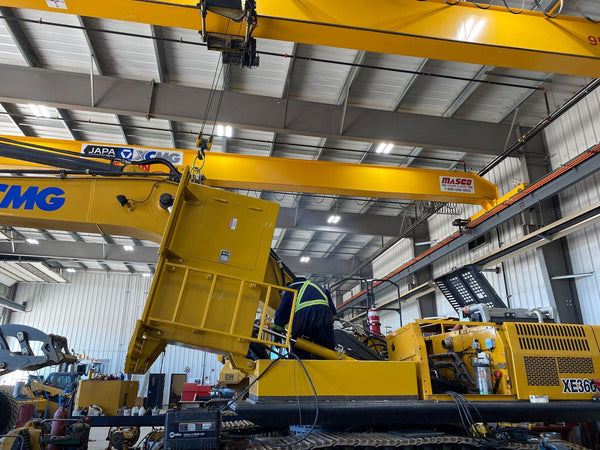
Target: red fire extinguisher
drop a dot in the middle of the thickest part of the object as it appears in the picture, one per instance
(373, 320)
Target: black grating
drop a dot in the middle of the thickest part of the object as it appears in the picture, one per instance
(575, 365)
(468, 286)
(541, 371)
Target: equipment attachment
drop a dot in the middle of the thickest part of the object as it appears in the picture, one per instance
(54, 349)
(468, 286)
(240, 50)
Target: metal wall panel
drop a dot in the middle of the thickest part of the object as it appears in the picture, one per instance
(97, 314)
(521, 280)
(399, 253)
(571, 134)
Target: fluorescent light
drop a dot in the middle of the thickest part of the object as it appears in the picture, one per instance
(44, 110)
(384, 147)
(334, 218)
(39, 110)
(224, 131)
(71, 270)
(128, 248)
(425, 243)
(35, 110)
(146, 275)
(304, 259)
(32, 241)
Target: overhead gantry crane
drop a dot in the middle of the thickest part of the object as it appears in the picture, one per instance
(430, 29)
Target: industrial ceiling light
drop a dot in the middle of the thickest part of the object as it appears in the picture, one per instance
(384, 148)
(128, 248)
(39, 110)
(304, 259)
(71, 270)
(425, 243)
(224, 131)
(333, 219)
(32, 241)
(146, 275)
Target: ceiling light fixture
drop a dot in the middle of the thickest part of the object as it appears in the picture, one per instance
(39, 110)
(224, 131)
(71, 270)
(304, 259)
(32, 241)
(334, 218)
(384, 148)
(146, 275)
(128, 248)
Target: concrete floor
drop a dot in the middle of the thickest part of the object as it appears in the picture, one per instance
(98, 437)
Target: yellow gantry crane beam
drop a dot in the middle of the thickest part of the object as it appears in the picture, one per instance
(429, 29)
(294, 175)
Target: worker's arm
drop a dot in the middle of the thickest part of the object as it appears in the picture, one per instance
(331, 305)
(282, 315)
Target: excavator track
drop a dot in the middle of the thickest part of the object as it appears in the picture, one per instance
(374, 440)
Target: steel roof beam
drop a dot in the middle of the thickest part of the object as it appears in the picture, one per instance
(184, 103)
(96, 60)
(29, 55)
(80, 251)
(163, 73)
(102, 253)
(354, 223)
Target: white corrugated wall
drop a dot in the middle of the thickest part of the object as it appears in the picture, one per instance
(97, 312)
(571, 134)
(521, 281)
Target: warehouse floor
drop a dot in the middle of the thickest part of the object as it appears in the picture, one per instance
(98, 437)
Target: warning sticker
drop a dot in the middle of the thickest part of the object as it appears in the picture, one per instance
(59, 4)
(457, 184)
(224, 256)
(233, 223)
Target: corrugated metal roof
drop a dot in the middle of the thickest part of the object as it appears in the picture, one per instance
(9, 52)
(57, 48)
(124, 56)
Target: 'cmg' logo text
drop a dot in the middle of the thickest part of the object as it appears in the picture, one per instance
(47, 199)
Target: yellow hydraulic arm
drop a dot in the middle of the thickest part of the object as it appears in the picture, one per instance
(322, 177)
(430, 29)
(215, 271)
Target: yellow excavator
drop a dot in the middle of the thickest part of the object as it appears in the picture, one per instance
(437, 382)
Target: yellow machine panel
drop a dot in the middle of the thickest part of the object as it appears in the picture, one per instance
(437, 348)
(210, 275)
(109, 395)
(557, 360)
(335, 380)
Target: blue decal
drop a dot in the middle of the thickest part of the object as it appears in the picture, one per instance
(126, 153)
(48, 199)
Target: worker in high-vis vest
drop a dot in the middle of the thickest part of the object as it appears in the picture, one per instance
(313, 317)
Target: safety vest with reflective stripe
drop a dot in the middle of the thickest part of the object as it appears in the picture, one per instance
(300, 304)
